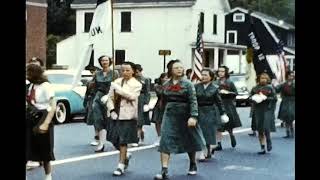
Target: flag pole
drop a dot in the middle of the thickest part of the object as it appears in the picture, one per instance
(112, 41)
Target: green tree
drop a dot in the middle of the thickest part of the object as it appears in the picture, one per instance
(281, 9)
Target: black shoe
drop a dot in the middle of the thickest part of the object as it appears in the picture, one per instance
(233, 141)
(212, 152)
(252, 134)
(142, 136)
(282, 125)
(99, 150)
(269, 146)
(287, 136)
(192, 169)
(218, 148)
(209, 156)
(163, 175)
(262, 152)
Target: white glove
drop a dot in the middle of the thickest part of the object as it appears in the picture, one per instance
(263, 97)
(104, 98)
(257, 98)
(146, 108)
(113, 115)
(192, 122)
(224, 118)
(223, 91)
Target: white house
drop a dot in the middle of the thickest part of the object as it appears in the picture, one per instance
(143, 27)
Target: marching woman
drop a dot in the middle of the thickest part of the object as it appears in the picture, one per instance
(228, 93)
(41, 107)
(87, 103)
(102, 81)
(264, 97)
(123, 105)
(208, 99)
(180, 131)
(158, 110)
(287, 106)
(144, 98)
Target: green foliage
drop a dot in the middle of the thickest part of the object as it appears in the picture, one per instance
(281, 9)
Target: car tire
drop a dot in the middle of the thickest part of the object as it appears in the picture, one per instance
(62, 113)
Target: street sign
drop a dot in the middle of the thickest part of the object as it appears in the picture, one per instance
(164, 52)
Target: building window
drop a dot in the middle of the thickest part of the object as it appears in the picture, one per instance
(202, 22)
(120, 56)
(238, 17)
(125, 21)
(215, 24)
(87, 21)
(232, 37)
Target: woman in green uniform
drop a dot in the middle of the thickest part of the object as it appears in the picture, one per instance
(208, 97)
(144, 98)
(180, 131)
(287, 106)
(102, 80)
(228, 93)
(264, 97)
(158, 110)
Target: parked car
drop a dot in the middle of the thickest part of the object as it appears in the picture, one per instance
(69, 101)
(239, 81)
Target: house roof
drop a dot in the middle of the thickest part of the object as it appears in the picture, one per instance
(127, 1)
(265, 17)
(37, 1)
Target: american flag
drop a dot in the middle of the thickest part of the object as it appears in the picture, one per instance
(198, 56)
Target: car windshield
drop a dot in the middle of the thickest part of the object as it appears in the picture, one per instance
(239, 81)
(60, 78)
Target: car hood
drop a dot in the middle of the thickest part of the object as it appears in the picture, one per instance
(80, 90)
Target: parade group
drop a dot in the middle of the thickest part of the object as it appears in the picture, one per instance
(189, 117)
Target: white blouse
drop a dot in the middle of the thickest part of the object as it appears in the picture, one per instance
(43, 94)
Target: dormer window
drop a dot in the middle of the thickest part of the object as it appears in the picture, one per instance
(238, 17)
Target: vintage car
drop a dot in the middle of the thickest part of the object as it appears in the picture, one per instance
(69, 101)
(239, 81)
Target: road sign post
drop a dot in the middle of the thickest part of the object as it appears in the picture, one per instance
(164, 53)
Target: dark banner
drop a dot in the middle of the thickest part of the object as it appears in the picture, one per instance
(259, 58)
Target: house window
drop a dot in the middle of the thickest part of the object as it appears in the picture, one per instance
(120, 56)
(87, 21)
(125, 21)
(214, 24)
(202, 22)
(238, 17)
(232, 37)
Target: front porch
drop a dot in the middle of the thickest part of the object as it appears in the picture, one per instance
(217, 54)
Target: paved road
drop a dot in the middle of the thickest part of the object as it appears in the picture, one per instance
(77, 161)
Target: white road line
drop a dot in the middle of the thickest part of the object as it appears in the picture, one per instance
(92, 156)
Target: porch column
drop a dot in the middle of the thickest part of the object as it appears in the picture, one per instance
(216, 58)
(240, 61)
(211, 60)
(225, 54)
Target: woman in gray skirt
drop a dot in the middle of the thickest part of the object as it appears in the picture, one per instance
(98, 118)
(123, 105)
(287, 106)
(228, 93)
(158, 110)
(210, 105)
(180, 131)
(264, 97)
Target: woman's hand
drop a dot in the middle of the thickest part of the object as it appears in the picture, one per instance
(192, 122)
